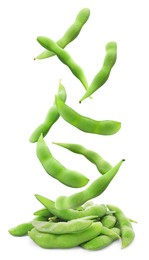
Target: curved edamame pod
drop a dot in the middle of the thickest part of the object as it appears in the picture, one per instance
(65, 240)
(21, 230)
(85, 124)
(44, 212)
(94, 190)
(103, 75)
(56, 169)
(72, 32)
(102, 165)
(65, 57)
(109, 221)
(69, 214)
(125, 226)
(51, 117)
(72, 226)
(100, 241)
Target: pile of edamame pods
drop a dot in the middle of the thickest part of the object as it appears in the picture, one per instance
(75, 220)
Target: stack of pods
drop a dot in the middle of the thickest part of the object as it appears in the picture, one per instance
(75, 220)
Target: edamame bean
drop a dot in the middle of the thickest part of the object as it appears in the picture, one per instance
(56, 169)
(125, 225)
(69, 214)
(65, 57)
(72, 32)
(102, 165)
(43, 213)
(100, 241)
(109, 221)
(21, 230)
(72, 226)
(103, 75)
(94, 190)
(65, 240)
(85, 124)
(51, 117)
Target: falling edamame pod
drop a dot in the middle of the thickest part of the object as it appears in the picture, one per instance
(102, 165)
(56, 169)
(65, 57)
(125, 226)
(94, 190)
(51, 117)
(72, 32)
(103, 75)
(85, 124)
(69, 214)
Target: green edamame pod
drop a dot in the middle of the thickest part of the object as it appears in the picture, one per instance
(72, 226)
(125, 225)
(85, 124)
(102, 165)
(109, 221)
(65, 57)
(65, 240)
(103, 75)
(72, 32)
(43, 213)
(56, 169)
(94, 190)
(69, 214)
(51, 117)
(100, 241)
(21, 230)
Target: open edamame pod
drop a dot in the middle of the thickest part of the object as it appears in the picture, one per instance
(56, 169)
(103, 75)
(72, 32)
(85, 124)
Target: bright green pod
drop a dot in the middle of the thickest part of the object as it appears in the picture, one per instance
(72, 32)
(85, 124)
(51, 117)
(21, 230)
(109, 221)
(56, 169)
(102, 165)
(44, 212)
(65, 240)
(69, 214)
(65, 57)
(127, 232)
(72, 226)
(94, 190)
(103, 75)
(101, 241)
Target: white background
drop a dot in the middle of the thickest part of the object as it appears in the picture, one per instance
(27, 89)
